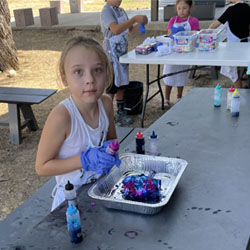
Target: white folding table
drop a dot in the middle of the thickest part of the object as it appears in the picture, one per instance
(227, 54)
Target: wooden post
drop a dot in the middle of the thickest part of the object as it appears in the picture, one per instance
(154, 10)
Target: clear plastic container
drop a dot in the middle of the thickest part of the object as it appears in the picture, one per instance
(208, 39)
(184, 41)
(165, 40)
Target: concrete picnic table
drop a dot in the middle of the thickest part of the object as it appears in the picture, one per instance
(21, 99)
(209, 208)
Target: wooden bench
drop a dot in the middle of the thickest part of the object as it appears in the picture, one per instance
(22, 99)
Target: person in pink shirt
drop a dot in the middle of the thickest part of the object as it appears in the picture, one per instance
(183, 21)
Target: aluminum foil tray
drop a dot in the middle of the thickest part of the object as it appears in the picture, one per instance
(108, 189)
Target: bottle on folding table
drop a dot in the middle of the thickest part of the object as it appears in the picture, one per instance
(74, 224)
(229, 98)
(217, 96)
(236, 103)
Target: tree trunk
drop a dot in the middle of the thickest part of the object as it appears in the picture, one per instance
(8, 51)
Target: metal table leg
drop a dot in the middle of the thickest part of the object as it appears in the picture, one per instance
(147, 99)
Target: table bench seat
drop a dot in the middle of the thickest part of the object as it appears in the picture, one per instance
(21, 99)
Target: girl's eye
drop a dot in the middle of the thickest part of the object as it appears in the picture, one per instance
(98, 70)
(78, 72)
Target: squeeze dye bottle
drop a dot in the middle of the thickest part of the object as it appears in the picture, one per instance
(217, 96)
(229, 98)
(70, 194)
(140, 143)
(236, 103)
(112, 148)
(74, 224)
(153, 144)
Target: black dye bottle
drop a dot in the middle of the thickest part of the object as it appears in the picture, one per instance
(140, 143)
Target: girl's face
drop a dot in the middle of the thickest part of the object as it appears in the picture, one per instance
(115, 3)
(85, 74)
(183, 9)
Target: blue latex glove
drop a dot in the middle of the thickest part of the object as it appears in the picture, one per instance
(175, 30)
(142, 28)
(97, 160)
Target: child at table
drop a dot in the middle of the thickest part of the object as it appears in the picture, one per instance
(72, 143)
(237, 18)
(183, 21)
(115, 26)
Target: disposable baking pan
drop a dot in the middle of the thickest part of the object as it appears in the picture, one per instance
(109, 188)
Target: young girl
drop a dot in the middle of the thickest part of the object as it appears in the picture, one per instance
(181, 22)
(71, 145)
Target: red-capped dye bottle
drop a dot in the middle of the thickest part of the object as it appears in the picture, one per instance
(140, 143)
(112, 148)
(229, 98)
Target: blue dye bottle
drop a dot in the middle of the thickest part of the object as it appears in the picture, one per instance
(217, 96)
(153, 144)
(236, 103)
(74, 224)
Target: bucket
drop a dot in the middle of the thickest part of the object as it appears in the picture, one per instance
(133, 97)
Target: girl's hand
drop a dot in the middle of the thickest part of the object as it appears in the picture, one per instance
(97, 160)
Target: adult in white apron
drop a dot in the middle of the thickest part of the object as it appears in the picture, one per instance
(118, 47)
(181, 79)
(231, 71)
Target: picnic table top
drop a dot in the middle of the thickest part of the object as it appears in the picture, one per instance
(24, 95)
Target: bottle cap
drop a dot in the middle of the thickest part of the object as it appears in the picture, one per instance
(153, 135)
(231, 89)
(139, 134)
(236, 93)
(218, 86)
(71, 209)
(114, 145)
(69, 186)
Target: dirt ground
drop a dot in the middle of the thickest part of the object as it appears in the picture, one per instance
(38, 52)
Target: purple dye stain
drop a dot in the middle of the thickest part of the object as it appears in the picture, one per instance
(131, 234)
(92, 204)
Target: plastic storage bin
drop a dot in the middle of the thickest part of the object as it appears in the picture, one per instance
(208, 39)
(184, 41)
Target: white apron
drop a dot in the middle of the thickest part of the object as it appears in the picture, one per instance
(180, 79)
(230, 71)
(119, 47)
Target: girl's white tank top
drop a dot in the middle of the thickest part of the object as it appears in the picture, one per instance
(81, 137)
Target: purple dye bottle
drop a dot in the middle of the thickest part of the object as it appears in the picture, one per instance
(112, 148)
